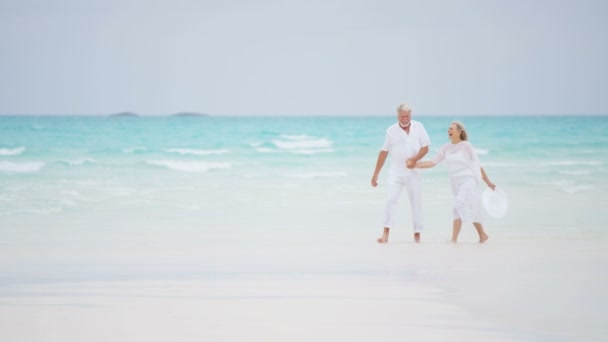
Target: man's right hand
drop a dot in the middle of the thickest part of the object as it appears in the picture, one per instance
(410, 163)
(375, 181)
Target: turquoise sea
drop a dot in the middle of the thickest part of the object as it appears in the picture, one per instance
(58, 166)
(68, 164)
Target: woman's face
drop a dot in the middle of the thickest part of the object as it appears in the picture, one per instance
(454, 133)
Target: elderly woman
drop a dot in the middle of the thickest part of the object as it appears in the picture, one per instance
(464, 171)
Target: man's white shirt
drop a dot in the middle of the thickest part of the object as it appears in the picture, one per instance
(402, 146)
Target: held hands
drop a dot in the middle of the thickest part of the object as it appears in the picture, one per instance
(410, 163)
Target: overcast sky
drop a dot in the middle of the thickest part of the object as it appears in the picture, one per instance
(308, 57)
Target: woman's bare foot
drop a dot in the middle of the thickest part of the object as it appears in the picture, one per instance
(416, 237)
(483, 238)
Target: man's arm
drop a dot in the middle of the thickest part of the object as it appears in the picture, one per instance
(411, 162)
(379, 163)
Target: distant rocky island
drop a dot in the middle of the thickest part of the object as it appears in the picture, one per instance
(180, 114)
(125, 114)
(189, 114)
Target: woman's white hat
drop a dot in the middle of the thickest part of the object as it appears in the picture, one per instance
(495, 202)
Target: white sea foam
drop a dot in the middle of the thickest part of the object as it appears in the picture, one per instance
(44, 211)
(189, 166)
(318, 175)
(575, 172)
(574, 163)
(22, 167)
(138, 202)
(311, 151)
(82, 183)
(11, 151)
(196, 152)
(571, 187)
(303, 143)
(81, 161)
(117, 191)
(297, 137)
(255, 144)
(501, 164)
(68, 202)
(266, 150)
(29, 209)
(481, 151)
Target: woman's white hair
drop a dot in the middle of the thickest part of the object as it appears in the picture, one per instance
(404, 107)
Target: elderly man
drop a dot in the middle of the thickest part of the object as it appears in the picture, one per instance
(408, 141)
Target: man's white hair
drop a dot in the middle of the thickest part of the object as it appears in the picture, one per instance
(404, 107)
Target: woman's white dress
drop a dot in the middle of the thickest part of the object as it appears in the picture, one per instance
(464, 171)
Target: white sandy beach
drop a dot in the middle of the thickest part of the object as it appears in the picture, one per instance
(257, 308)
(293, 286)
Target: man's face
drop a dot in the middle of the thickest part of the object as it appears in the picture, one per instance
(404, 117)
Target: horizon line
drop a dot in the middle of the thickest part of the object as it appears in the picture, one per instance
(204, 115)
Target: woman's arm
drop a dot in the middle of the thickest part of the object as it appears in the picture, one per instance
(425, 164)
(485, 178)
(438, 158)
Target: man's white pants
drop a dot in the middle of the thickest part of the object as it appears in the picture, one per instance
(413, 185)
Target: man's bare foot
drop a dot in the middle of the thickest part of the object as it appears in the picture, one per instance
(483, 238)
(417, 237)
(383, 239)
(454, 241)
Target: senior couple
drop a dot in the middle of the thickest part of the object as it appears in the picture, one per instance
(408, 142)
